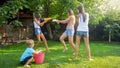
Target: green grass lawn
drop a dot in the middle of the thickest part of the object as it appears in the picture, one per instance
(105, 55)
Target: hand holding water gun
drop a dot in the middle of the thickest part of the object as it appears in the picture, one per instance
(45, 20)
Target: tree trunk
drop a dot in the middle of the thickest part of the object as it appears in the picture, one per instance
(49, 31)
(109, 36)
(46, 13)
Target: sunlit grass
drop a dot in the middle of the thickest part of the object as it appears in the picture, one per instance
(105, 55)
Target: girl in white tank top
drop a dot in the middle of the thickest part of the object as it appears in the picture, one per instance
(82, 30)
(83, 25)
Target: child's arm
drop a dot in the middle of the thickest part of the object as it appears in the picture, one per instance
(36, 21)
(45, 21)
(41, 24)
(64, 21)
(35, 52)
(77, 19)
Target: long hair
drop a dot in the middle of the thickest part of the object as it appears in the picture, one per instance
(37, 15)
(82, 11)
(70, 11)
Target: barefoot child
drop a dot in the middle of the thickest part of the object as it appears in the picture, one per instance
(27, 57)
(38, 31)
(83, 30)
(69, 30)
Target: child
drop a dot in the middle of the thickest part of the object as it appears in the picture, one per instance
(38, 31)
(83, 30)
(26, 57)
(69, 30)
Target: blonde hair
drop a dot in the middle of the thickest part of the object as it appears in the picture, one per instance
(70, 11)
(30, 43)
(37, 15)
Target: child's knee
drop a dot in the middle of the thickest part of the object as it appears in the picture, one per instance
(44, 40)
(39, 41)
(70, 41)
(60, 39)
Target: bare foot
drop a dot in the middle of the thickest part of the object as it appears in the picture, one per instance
(65, 49)
(26, 66)
(75, 57)
(48, 51)
(90, 59)
(75, 54)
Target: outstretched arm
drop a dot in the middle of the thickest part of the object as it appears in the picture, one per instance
(42, 23)
(64, 21)
(45, 21)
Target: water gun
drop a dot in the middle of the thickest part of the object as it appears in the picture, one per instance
(45, 19)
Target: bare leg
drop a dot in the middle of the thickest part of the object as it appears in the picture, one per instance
(70, 38)
(27, 63)
(78, 38)
(86, 40)
(45, 41)
(39, 40)
(62, 37)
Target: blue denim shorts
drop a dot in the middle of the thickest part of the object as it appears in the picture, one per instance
(38, 31)
(82, 33)
(25, 60)
(69, 32)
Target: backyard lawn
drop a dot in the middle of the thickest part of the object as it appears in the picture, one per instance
(105, 55)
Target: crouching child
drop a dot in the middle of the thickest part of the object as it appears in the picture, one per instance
(27, 55)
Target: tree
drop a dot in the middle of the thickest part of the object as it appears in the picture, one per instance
(50, 8)
(111, 21)
(112, 24)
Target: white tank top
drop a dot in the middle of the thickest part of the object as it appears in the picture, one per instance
(36, 25)
(83, 26)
